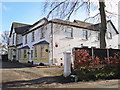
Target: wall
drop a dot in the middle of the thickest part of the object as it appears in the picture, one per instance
(112, 43)
(37, 34)
(39, 58)
(22, 59)
(66, 44)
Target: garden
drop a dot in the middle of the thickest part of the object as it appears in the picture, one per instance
(87, 67)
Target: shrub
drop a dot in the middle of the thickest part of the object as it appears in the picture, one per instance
(87, 67)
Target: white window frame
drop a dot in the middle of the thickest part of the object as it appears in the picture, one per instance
(33, 36)
(97, 36)
(69, 32)
(25, 53)
(109, 35)
(85, 34)
(26, 39)
(42, 47)
(35, 52)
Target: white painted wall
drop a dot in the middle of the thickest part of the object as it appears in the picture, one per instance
(112, 43)
(11, 38)
(65, 44)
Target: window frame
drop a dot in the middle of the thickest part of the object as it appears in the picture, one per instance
(109, 35)
(26, 39)
(42, 33)
(85, 35)
(69, 32)
(35, 50)
(25, 53)
(42, 51)
(20, 54)
(33, 36)
(97, 36)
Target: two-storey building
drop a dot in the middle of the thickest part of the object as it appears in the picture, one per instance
(46, 41)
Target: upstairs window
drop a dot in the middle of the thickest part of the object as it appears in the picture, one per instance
(13, 37)
(33, 37)
(84, 34)
(42, 33)
(109, 35)
(25, 39)
(97, 36)
(69, 32)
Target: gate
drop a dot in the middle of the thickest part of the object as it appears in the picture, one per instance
(67, 63)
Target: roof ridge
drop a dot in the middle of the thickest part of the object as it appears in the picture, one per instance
(20, 23)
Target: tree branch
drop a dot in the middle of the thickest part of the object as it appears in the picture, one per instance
(55, 8)
(91, 17)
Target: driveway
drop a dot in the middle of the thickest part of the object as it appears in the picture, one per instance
(15, 75)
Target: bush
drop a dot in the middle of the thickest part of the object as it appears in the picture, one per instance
(87, 67)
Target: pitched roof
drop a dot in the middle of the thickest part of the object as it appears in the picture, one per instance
(25, 47)
(27, 31)
(76, 23)
(19, 28)
(41, 42)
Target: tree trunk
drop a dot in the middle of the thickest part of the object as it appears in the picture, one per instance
(103, 27)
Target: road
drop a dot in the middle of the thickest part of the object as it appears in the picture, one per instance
(15, 75)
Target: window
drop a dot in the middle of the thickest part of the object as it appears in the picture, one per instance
(35, 51)
(109, 35)
(13, 38)
(20, 53)
(42, 51)
(31, 54)
(85, 36)
(25, 54)
(33, 37)
(69, 32)
(25, 39)
(97, 36)
(42, 33)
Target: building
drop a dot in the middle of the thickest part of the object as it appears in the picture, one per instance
(46, 41)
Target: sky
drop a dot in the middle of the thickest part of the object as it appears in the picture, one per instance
(30, 12)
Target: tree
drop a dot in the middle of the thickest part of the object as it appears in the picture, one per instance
(4, 43)
(103, 24)
(66, 9)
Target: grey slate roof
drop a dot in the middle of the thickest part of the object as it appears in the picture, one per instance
(19, 27)
(41, 42)
(25, 47)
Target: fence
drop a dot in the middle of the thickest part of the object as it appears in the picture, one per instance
(95, 52)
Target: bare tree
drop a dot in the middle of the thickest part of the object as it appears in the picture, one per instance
(66, 8)
(4, 43)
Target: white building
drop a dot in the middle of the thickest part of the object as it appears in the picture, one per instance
(46, 41)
